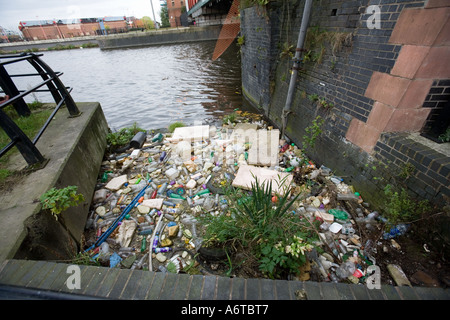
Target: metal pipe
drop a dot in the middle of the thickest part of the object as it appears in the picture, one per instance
(298, 52)
(115, 224)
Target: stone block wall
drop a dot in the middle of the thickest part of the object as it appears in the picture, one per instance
(378, 84)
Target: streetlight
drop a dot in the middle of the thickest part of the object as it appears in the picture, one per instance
(154, 19)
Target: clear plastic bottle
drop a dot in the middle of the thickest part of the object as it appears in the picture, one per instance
(346, 269)
(368, 248)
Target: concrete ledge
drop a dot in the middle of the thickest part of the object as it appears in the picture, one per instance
(159, 37)
(21, 277)
(75, 149)
(45, 44)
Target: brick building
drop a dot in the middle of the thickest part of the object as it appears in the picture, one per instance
(176, 8)
(65, 28)
(383, 90)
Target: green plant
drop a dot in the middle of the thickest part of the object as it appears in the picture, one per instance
(4, 173)
(36, 104)
(407, 170)
(229, 272)
(259, 224)
(229, 118)
(59, 200)
(312, 132)
(445, 137)
(288, 253)
(171, 267)
(84, 258)
(313, 97)
(287, 50)
(89, 45)
(175, 125)
(241, 40)
(324, 104)
(123, 136)
(400, 207)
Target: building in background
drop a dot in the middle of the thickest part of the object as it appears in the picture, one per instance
(3, 35)
(177, 13)
(70, 28)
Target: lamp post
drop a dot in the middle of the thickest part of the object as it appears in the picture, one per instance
(154, 19)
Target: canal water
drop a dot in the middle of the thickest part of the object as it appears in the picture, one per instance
(151, 86)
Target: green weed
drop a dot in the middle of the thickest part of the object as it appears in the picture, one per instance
(59, 200)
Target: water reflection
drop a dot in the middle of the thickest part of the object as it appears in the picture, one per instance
(152, 86)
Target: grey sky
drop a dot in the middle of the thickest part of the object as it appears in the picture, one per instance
(14, 11)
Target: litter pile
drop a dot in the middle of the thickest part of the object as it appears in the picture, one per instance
(147, 200)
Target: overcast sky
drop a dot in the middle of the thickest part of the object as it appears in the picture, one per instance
(14, 11)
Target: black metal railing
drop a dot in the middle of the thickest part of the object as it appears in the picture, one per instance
(59, 92)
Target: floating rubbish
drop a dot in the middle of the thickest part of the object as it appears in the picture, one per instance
(149, 200)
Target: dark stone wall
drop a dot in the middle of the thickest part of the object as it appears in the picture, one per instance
(337, 72)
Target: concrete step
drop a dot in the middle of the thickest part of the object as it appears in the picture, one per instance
(54, 278)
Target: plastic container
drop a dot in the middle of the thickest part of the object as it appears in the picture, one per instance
(172, 173)
(138, 140)
(164, 249)
(157, 137)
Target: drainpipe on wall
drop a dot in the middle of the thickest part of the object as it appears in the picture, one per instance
(298, 52)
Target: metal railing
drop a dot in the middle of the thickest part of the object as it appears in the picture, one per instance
(50, 79)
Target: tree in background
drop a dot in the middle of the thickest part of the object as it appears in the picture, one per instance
(164, 18)
(148, 23)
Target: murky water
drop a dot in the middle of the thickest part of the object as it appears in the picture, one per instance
(152, 86)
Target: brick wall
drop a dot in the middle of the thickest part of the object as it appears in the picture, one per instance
(438, 100)
(371, 81)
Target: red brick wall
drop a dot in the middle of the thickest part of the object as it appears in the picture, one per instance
(58, 31)
(174, 8)
(424, 34)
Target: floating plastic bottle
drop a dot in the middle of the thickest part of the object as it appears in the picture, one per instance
(164, 249)
(155, 241)
(396, 231)
(163, 155)
(144, 244)
(336, 179)
(162, 189)
(157, 137)
(346, 269)
(146, 231)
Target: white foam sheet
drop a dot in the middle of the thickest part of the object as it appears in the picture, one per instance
(247, 174)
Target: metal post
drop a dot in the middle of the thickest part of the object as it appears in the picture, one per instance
(154, 19)
(298, 51)
(70, 104)
(11, 90)
(28, 150)
(44, 76)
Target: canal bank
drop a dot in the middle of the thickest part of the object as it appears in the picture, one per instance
(134, 39)
(43, 45)
(159, 37)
